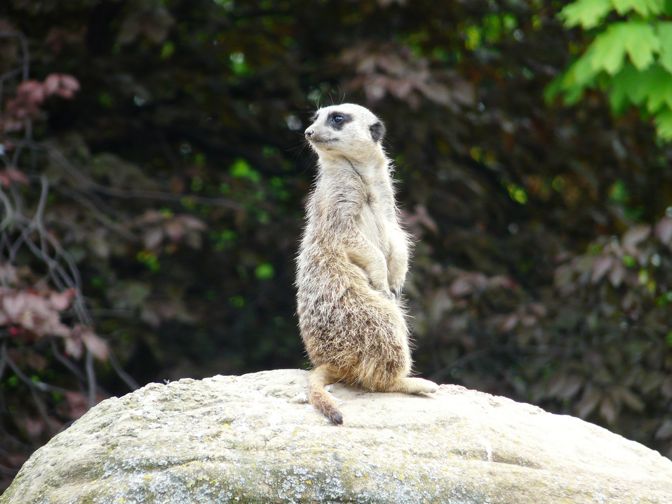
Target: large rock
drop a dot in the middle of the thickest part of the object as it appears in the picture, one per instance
(253, 438)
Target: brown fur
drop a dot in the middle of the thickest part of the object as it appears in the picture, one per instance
(353, 257)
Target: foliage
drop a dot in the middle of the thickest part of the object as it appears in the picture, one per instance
(630, 58)
(164, 199)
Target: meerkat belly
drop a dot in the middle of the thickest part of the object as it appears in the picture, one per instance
(375, 228)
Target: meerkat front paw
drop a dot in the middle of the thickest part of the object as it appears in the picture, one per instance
(387, 293)
(383, 287)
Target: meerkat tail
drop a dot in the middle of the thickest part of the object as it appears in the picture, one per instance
(319, 397)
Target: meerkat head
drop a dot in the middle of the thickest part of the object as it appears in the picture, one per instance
(347, 130)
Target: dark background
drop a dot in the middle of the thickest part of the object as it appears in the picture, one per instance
(173, 181)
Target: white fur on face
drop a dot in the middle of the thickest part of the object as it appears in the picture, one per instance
(351, 139)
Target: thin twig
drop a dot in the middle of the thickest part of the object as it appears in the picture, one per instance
(66, 362)
(90, 374)
(9, 212)
(35, 384)
(128, 379)
(97, 214)
(3, 359)
(86, 183)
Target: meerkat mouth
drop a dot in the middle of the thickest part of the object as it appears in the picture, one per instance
(323, 140)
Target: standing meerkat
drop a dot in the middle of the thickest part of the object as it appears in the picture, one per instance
(352, 263)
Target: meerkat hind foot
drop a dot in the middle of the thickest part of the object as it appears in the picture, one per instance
(411, 385)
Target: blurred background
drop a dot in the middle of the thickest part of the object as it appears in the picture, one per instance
(154, 174)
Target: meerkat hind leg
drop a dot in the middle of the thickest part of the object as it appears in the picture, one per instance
(412, 385)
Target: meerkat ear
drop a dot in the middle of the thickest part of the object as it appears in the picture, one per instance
(377, 131)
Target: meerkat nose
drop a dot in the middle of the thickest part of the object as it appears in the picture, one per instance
(309, 133)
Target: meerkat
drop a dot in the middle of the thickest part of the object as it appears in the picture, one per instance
(352, 264)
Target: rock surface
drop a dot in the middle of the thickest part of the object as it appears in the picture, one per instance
(253, 438)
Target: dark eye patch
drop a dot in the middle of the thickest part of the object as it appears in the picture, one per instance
(337, 120)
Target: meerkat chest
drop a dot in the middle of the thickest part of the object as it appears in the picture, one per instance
(375, 223)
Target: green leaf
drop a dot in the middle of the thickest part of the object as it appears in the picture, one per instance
(642, 7)
(618, 95)
(659, 88)
(554, 88)
(663, 122)
(627, 87)
(607, 51)
(264, 271)
(636, 38)
(636, 86)
(579, 75)
(665, 36)
(242, 169)
(651, 87)
(641, 43)
(587, 13)
(167, 50)
(572, 83)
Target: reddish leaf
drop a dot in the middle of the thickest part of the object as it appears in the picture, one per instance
(77, 404)
(13, 305)
(509, 323)
(8, 274)
(608, 410)
(461, 287)
(31, 91)
(69, 83)
(74, 347)
(10, 175)
(570, 387)
(634, 236)
(34, 426)
(600, 268)
(589, 401)
(152, 237)
(96, 345)
(631, 399)
(191, 222)
(665, 430)
(51, 83)
(666, 387)
(62, 85)
(563, 278)
(617, 274)
(423, 217)
(61, 300)
(664, 230)
(175, 229)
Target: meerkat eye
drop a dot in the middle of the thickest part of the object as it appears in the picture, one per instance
(338, 119)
